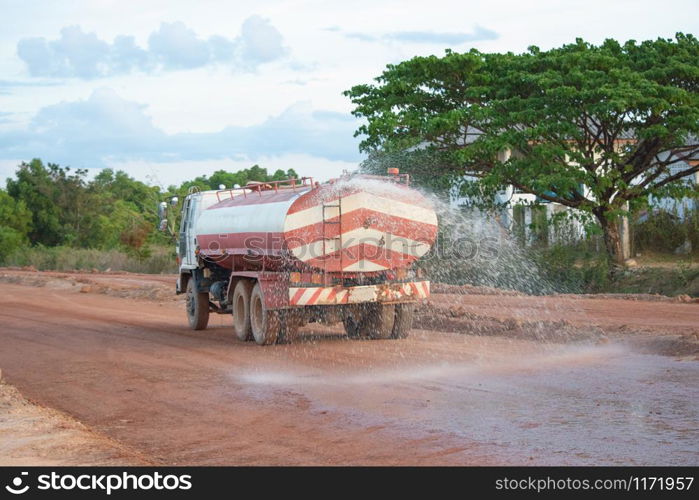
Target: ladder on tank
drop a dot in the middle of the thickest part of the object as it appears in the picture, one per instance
(337, 238)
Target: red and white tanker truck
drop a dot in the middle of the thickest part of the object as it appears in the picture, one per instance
(280, 254)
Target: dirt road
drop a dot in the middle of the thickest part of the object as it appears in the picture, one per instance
(129, 369)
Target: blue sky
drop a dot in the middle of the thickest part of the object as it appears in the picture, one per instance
(168, 90)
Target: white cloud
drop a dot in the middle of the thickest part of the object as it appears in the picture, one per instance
(106, 128)
(260, 42)
(166, 173)
(479, 33)
(177, 47)
(74, 54)
(172, 46)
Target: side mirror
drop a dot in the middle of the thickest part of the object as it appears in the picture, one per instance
(162, 214)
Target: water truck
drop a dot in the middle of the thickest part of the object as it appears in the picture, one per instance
(277, 255)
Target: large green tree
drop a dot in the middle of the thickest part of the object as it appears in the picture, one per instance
(53, 205)
(47, 191)
(590, 127)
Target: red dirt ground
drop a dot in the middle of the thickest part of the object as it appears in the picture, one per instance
(489, 379)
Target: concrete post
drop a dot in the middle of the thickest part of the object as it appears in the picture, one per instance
(625, 234)
(527, 224)
(552, 236)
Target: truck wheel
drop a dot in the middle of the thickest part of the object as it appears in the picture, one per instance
(379, 321)
(197, 306)
(352, 323)
(265, 323)
(351, 327)
(241, 310)
(288, 326)
(403, 322)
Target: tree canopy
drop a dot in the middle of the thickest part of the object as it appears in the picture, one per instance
(589, 127)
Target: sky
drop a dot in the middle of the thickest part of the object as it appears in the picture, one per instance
(168, 90)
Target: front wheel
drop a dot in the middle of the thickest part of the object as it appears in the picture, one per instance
(197, 307)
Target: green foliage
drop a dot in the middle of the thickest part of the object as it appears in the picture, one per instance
(610, 118)
(67, 209)
(10, 241)
(14, 214)
(124, 226)
(39, 188)
(15, 224)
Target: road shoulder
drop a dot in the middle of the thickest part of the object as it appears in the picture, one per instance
(31, 434)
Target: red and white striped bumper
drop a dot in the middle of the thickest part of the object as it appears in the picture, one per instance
(386, 292)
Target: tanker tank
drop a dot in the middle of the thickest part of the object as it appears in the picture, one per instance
(360, 224)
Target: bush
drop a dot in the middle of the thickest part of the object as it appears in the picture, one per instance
(660, 232)
(576, 268)
(665, 231)
(161, 260)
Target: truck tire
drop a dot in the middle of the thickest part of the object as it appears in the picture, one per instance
(403, 322)
(197, 305)
(379, 321)
(351, 320)
(241, 310)
(264, 322)
(351, 327)
(289, 323)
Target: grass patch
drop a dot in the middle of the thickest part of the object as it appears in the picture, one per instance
(670, 281)
(582, 269)
(160, 260)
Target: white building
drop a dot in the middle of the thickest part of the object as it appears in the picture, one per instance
(521, 208)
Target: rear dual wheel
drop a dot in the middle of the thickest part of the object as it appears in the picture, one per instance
(289, 320)
(241, 310)
(379, 321)
(403, 322)
(265, 323)
(253, 320)
(373, 321)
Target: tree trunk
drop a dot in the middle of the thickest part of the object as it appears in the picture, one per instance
(612, 240)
